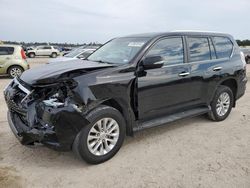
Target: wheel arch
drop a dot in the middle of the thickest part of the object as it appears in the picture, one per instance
(125, 113)
(232, 84)
(31, 53)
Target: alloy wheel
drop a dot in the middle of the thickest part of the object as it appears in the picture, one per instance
(15, 71)
(103, 136)
(223, 104)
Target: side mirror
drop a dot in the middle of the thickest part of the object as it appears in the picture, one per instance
(152, 62)
(81, 57)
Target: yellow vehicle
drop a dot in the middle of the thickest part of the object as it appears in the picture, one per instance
(12, 60)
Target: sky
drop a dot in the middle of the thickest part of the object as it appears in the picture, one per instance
(83, 21)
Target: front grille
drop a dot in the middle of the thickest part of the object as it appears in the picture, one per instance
(14, 107)
(14, 94)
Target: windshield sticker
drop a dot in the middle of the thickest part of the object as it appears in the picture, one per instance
(136, 44)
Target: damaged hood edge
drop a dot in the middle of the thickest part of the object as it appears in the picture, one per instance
(49, 73)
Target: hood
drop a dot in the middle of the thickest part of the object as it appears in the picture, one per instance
(49, 73)
(60, 59)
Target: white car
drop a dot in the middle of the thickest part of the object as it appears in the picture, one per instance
(78, 53)
(43, 51)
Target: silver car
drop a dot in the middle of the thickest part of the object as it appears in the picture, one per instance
(246, 52)
(78, 53)
(43, 51)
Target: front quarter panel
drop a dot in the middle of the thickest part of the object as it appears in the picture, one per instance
(116, 85)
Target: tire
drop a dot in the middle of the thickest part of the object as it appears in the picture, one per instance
(32, 55)
(53, 55)
(15, 71)
(105, 149)
(222, 92)
(248, 60)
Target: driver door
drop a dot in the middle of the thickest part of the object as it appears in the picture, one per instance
(168, 89)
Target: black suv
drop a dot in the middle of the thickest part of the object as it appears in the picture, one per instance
(130, 83)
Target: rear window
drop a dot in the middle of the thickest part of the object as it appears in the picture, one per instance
(199, 49)
(223, 46)
(6, 50)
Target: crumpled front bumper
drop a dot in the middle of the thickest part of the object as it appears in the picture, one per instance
(66, 125)
(27, 135)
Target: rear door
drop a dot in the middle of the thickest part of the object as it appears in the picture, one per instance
(206, 65)
(40, 50)
(170, 88)
(47, 50)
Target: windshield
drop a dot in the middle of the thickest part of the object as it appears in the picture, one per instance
(74, 53)
(118, 51)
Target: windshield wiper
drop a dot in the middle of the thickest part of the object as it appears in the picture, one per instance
(100, 61)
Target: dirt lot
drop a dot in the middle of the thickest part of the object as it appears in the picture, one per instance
(189, 153)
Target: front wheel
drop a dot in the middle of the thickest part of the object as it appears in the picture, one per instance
(54, 55)
(100, 140)
(222, 103)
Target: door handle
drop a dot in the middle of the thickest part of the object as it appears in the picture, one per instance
(7, 58)
(217, 68)
(183, 74)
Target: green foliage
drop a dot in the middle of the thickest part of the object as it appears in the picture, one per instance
(243, 42)
(53, 44)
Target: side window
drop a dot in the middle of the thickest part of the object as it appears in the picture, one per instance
(170, 49)
(6, 50)
(46, 47)
(223, 46)
(199, 49)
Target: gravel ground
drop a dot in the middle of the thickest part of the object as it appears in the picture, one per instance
(193, 152)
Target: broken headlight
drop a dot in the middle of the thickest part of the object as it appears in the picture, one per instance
(62, 96)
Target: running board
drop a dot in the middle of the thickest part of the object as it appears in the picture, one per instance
(171, 118)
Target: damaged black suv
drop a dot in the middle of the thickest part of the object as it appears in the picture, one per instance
(130, 83)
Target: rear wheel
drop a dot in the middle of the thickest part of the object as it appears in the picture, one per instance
(15, 71)
(222, 103)
(102, 138)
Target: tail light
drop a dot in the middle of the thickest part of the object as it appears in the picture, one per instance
(23, 54)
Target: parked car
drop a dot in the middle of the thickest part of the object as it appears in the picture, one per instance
(65, 50)
(78, 53)
(12, 60)
(246, 52)
(86, 47)
(43, 51)
(129, 84)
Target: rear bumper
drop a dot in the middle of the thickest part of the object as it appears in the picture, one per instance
(241, 88)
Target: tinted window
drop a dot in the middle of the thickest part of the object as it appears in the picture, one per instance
(199, 49)
(223, 47)
(47, 47)
(170, 49)
(6, 50)
(212, 49)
